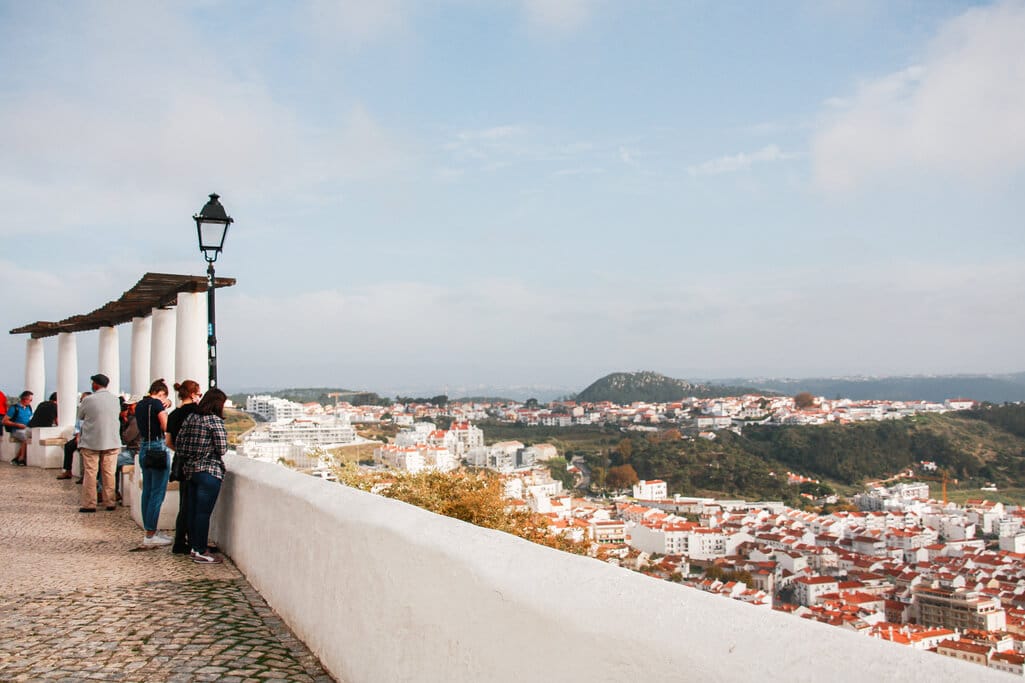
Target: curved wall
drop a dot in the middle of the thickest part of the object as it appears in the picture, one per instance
(383, 591)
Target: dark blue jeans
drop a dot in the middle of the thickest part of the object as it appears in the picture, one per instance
(203, 490)
(154, 483)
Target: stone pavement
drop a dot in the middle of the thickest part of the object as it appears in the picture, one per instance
(77, 605)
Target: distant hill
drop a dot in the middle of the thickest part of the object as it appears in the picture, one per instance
(652, 387)
(992, 388)
(319, 395)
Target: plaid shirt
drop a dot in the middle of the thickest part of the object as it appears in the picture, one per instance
(201, 443)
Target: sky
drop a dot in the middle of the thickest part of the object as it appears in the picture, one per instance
(527, 192)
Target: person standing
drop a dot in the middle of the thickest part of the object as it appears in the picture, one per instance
(16, 421)
(189, 394)
(99, 443)
(202, 443)
(151, 418)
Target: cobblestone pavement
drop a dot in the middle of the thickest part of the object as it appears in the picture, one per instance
(77, 605)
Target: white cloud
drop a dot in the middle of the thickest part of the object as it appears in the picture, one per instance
(559, 15)
(739, 162)
(858, 324)
(957, 113)
(355, 23)
(142, 127)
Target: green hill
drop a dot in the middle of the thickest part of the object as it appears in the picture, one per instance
(975, 448)
(652, 387)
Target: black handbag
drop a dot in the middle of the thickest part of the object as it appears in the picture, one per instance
(155, 459)
(177, 465)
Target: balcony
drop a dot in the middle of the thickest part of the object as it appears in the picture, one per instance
(378, 590)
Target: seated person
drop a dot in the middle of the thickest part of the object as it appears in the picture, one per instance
(16, 421)
(45, 414)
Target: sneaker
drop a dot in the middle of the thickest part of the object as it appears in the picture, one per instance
(156, 539)
(201, 558)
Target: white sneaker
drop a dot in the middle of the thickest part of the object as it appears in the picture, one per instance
(208, 558)
(156, 539)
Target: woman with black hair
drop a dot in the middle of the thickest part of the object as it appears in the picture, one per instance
(202, 443)
(151, 418)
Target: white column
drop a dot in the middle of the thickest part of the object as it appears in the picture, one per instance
(35, 370)
(190, 345)
(110, 358)
(161, 360)
(67, 382)
(142, 340)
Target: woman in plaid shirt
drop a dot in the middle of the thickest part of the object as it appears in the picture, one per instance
(202, 442)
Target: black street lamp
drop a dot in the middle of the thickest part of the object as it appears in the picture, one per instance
(211, 227)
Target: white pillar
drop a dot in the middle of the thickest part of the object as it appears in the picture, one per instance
(67, 382)
(142, 327)
(161, 360)
(35, 370)
(110, 358)
(190, 345)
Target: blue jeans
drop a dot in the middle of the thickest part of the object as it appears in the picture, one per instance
(125, 457)
(154, 483)
(203, 490)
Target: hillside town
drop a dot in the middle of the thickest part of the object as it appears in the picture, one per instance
(901, 567)
(696, 413)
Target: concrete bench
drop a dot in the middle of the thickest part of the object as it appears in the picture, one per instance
(8, 447)
(45, 448)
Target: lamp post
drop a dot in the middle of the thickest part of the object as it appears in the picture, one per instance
(211, 227)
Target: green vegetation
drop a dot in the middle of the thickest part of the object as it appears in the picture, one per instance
(651, 387)
(974, 450)
(237, 423)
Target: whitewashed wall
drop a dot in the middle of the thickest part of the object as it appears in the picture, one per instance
(384, 591)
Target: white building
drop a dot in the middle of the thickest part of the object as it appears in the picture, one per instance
(654, 489)
(273, 409)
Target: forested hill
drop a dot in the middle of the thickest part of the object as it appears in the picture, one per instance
(996, 389)
(651, 387)
(975, 448)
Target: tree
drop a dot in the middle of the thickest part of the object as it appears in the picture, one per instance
(531, 403)
(558, 468)
(621, 477)
(804, 400)
(626, 449)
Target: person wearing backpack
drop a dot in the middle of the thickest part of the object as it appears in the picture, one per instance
(151, 418)
(16, 421)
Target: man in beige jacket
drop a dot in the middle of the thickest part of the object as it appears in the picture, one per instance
(99, 443)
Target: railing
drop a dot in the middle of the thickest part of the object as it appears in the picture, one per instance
(384, 591)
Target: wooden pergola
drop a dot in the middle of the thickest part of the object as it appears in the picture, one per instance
(154, 290)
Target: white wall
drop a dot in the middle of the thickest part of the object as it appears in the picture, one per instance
(384, 591)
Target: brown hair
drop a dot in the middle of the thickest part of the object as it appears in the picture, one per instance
(212, 403)
(186, 389)
(158, 386)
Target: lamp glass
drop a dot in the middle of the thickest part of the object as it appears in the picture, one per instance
(211, 235)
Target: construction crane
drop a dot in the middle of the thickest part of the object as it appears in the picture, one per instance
(335, 395)
(944, 478)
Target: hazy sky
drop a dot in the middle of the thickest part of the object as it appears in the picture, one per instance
(527, 191)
